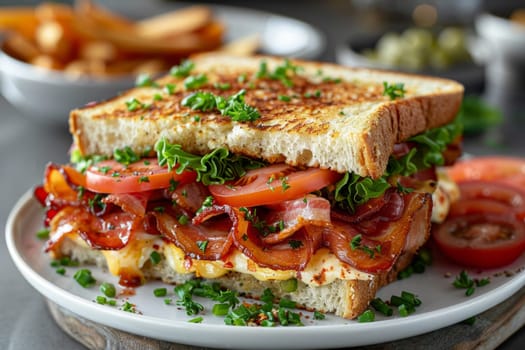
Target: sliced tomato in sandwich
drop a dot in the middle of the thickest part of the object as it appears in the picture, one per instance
(112, 177)
(272, 184)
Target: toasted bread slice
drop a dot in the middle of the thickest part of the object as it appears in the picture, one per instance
(332, 117)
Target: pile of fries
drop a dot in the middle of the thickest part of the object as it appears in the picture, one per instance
(87, 39)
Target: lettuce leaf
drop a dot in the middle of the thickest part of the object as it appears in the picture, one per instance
(353, 190)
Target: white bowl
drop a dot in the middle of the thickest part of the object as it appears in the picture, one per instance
(470, 74)
(49, 96)
(504, 38)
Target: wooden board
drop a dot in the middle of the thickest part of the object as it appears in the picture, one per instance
(490, 329)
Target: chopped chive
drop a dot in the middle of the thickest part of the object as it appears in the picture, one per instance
(42, 234)
(61, 271)
(196, 320)
(84, 278)
(367, 316)
(289, 285)
(287, 303)
(160, 292)
(101, 299)
(155, 256)
(221, 309)
(319, 315)
(403, 311)
(379, 305)
(108, 289)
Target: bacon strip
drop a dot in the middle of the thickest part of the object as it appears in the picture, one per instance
(295, 214)
(133, 203)
(208, 237)
(378, 252)
(293, 253)
(109, 232)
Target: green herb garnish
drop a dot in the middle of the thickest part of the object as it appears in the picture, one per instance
(144, 80)
(182, 70)
(394, 90)
(367, 316)
(108, 289)
(155, 257)
(195, 81)
(232, 106)
(84, 278)
(126, 156)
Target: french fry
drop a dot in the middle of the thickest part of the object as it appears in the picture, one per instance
(98, 50)
(52, 11)
(244, 46)
(47, 62)
(79, 68)
(174, 23)
(20, 47)
(53, 40)
(89, 39)
(21, 20)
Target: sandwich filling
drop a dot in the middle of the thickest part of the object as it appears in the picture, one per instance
(211, 214)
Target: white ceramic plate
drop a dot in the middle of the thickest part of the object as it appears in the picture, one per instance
(442, 305)
(279, 35)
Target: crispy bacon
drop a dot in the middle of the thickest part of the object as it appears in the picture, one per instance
(208, 237)
(133, 203)
(290, 216)
(293, 253)
(109, 232)
(190, 196)
(378, 252)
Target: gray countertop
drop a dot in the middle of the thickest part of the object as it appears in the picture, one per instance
(26, 146)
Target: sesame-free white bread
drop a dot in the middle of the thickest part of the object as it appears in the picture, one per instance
(344, 126)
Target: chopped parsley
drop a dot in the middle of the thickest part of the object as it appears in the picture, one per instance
(144, 80)
(464, 281)
(195, 81)
(84, 278)
(202, 245)
(126, 156)
(394, 90)
(232, 106)
(182, 70)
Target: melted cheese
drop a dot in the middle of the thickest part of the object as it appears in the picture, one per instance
(446, 193)
(323, 268)
(133, 256)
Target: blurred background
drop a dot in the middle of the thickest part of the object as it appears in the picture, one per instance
(60, 55)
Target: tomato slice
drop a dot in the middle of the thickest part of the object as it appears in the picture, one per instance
(112, 177)
(271, 185)
(487, 240)
(493, 168)
(485, 228)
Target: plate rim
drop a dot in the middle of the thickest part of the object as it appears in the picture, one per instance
(188, 333)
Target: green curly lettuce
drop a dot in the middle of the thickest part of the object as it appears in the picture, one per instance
(215, 167)
(353, 190)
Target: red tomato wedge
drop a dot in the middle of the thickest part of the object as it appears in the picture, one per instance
(492, 168)
(112, 177)
(485, 227)
(485, 240)
(272, 184)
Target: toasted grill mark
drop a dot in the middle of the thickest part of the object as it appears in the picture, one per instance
(302, 113)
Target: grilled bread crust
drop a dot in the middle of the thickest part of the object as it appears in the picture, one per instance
(344, 126)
